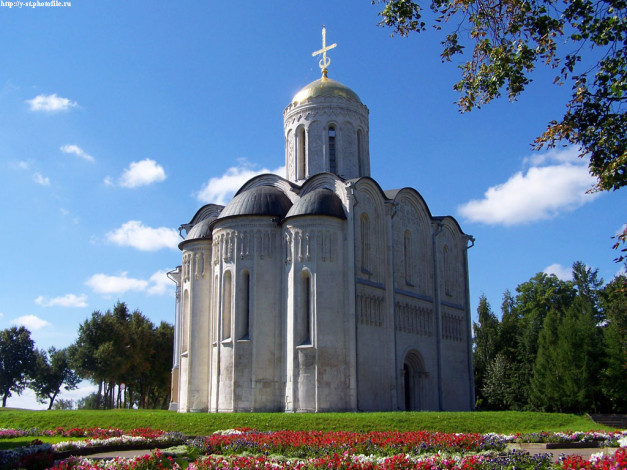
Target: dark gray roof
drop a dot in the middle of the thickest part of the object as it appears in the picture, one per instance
(318, 202)
(260, 200)
(201, 230)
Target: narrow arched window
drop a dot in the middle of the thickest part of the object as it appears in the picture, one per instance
(243, 317)
(447, 270)
(365, 242)
(301, 157)
(226, 305)
(305, 310)
(215, 319)
(408, 255)
(332, 156)
(185, 323)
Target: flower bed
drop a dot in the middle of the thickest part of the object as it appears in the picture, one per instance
(91, 433)
(40, 455)
(509, 460)
(317, 443)
(248, 449)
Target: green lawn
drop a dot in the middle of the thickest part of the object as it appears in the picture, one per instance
(204, 423)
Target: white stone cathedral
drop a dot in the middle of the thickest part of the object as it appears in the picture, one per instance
(321, 291)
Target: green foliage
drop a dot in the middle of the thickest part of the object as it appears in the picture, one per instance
(51, 372)
(497, 387)
(196, 424)
(63, 404)
(533, 302)
(89, 402)
(16, 361)
(614, 377)
(562, 346)
(588, 284)
(126, 356)
(546, 380)
(485, 338)
(613, 300)
(508, 39)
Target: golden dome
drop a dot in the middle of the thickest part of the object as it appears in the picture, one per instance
(325, 87)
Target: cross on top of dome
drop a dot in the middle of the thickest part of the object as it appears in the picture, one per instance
(325, 61)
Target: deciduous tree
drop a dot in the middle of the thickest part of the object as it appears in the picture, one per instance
(16, 361)
(51, 372)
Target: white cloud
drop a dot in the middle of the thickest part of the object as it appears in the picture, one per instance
(160, 284)
(31, 322)
(41, 179)
(22, 165)
(134, 233)
(141, 173)
(51, 103)
(543, 192)
(108, 181)
(79, 152)
(562, 272)
(105, 284)
(68, 300)
(1, 314)
(157, 284)
(567, 155)
(219, 190)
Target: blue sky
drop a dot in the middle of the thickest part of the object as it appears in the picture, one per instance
(118, 120)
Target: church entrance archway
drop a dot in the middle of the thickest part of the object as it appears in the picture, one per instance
(414, 381)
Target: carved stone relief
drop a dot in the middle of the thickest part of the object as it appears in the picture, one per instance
(414, 319)
(370, 309)
(452, 327)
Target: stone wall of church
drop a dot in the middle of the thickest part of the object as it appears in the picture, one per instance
(416, 348)
(195, 325)
(455, 319)
(415, 313)
(318, 334)
(413, 252)
(247, 342)
(376, 369)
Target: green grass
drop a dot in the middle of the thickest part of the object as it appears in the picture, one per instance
(13, 442)
(204, 423)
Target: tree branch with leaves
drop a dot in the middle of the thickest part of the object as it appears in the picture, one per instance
(585, 41)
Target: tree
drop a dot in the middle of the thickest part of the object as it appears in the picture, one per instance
(101, 351)
(486, 336)
(497, 389)
(588, 285)
(535, 299)
(581, 357)
(127, 357)
(16, 361)
(547, 374)
(614, 377)
(51, 372)
(584, 40)
(61, 404)
(516, 379)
